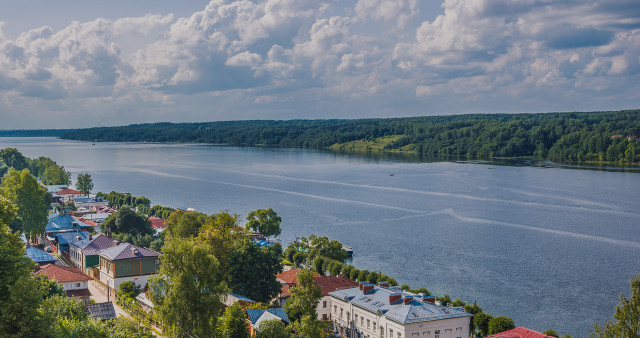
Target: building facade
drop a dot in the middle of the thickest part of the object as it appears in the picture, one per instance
(388, 312)
(127, 262)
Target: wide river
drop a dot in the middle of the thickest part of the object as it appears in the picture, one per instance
(549, 246)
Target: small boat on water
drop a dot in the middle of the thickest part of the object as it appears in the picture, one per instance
(348, 249)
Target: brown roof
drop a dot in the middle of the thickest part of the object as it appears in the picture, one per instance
(289, 276)
(157, 222)
(333, 283)
(69, 192)
(62, 274)
(326, 283)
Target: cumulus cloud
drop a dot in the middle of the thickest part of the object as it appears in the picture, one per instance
(280, 55)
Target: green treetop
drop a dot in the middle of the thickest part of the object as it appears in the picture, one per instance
(626, 320)
(264, 221)
(31, 198)
(253, 270)
(188, 289)
(304, 297)
(84, 183)
(234, 323)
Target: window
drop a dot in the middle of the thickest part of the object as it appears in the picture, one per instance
(355, 317)
(437, 335)
(324, 304)
(324, 316)
(390, 332)
(399, 335)
(374, 326)
(335, 309)
(361, 320)
(368, 323)
(77, 285)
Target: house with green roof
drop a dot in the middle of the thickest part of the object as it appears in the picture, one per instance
(127, 262)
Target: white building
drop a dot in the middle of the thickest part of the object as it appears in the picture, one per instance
(74, 282)
(388, 312)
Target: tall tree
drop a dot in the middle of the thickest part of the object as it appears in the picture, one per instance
(84, 183)
(264, 221)
(22, 189)
(304, 297)
(252, 270)
(234, 323)
(626, 321)
(13, 263)
(188, 289)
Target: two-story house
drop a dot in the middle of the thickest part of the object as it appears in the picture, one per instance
(384, 311)
(127, 262)
(84, 254)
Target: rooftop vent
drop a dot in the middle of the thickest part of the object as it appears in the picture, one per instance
(78, 238)
(394, 297)
(439, 303)
(367, 288)
(135, 251)
(429, 299)
(74, 224)
(408, 299)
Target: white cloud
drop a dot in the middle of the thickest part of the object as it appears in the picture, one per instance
(279, 55)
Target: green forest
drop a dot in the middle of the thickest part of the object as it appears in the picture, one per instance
(594, 137)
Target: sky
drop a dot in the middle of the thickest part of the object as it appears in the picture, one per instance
(73, 64)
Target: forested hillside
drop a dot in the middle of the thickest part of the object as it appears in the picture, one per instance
(582, 137)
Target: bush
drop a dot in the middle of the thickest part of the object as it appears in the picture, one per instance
(129, 289)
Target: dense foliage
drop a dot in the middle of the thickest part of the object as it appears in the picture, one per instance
(31, 198)
(591, 136)
(626, 320)
(37, 307)
(44, 168)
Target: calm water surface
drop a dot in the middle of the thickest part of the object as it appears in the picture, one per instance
(550, 247)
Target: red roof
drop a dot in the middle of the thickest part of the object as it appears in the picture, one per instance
(520, 332)
(157, 222)
(69, 192)
(84, 220)
(289, 276)
(333, 283)
(62, 274)
(326, 283)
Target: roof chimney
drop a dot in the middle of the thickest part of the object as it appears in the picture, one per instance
(360, 284)
(367, 288)
(115, 243)
(394, 297)
(408, 299)
(384, 284)
(90, 237)
(429, 299)
(78, 238)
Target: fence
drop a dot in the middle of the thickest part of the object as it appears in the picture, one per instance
(132, 307)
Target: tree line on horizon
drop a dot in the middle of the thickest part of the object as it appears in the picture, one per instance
(567, 137)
